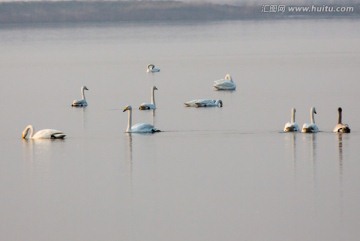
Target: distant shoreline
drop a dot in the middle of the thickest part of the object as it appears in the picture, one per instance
(117, 11)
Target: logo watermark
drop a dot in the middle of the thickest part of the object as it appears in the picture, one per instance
(278, 8)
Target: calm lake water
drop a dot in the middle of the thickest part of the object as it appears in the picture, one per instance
(212, 174)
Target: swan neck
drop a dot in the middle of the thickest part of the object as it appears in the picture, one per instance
(312, 116)
(153, 96)
(83, 93)
(31, 131)
(293, 116)
(28, 129)
(129, 121)
(340, 117)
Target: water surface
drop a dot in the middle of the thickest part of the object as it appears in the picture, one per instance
(212, 174)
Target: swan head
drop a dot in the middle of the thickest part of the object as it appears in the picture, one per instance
(313, 110)
(25, 132)
(228, 77)
(340, 109)
(219, 103)
(84, 88)
(151, 66)
(154, 88)
(127, 108)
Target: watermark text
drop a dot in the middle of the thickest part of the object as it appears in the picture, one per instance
(278, 8)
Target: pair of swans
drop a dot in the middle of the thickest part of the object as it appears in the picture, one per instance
(152, 105)
(225, 84)
(292, 126)
(82, 102)
(204, 103)
(28, 132)
(312, 127)
(152, 69)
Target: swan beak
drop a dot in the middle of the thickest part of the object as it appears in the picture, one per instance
(126, 108)
(24, 134)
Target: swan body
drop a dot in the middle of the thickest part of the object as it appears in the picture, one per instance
(204, 103)
(152, 69)
(28, 133)
(82, 102)
(149, 106)
(292, 126)
(225, 84)
(340, 127)
(312, 127)
(140, 127)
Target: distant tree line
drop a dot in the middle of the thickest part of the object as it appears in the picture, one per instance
(110, 11)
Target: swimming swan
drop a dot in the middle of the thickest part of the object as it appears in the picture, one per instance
(312, 127)
(42, 134)
(140, 127)
(82, 102)
(292, 126)
(152, 69)
(204, 103)
(149, 106)
(340, 127)
(225, 84)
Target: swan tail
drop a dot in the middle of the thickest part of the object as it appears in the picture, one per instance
(310, 129)
(155, 130)
(59, 135)
(345, 129)
(142, 107)
(79, 104)
(290, 129)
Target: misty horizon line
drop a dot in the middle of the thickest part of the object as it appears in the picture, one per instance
(41, 11)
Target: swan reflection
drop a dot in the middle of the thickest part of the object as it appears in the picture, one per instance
(129, 153)
(38, 155)
(340, 144)
(291, 138)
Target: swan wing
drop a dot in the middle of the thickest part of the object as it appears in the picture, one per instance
(191, 103)
(309, 128)
(201, 103)
(143, 128)
(147, 106)
(152, 69)
(49, 134)
(79, 103)
(205, 103)
(343, 128)
(225, 85)
(291, 127)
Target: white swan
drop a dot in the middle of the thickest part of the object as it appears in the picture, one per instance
(292, 126)
(149, 106)
(152, 69)
(225, 84)
(340, 127)
(82, 102)
(28, 133)
(204, 103)
(312, 127)
(140, 127)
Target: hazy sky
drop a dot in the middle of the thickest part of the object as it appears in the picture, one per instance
(232, 2)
